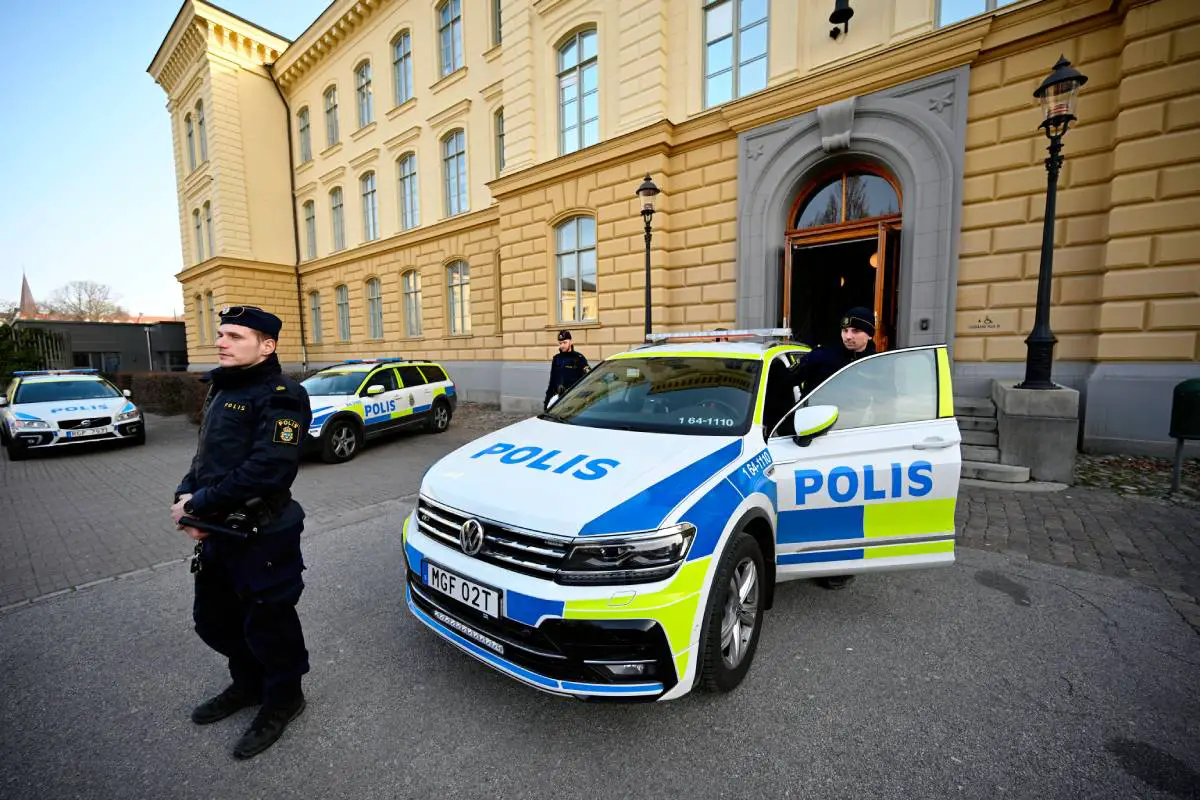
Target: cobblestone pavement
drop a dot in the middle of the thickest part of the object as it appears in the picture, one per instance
(75, 518)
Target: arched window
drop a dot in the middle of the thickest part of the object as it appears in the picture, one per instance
(212, 318)
(191, 141)
(848, 196)
(578, 93)
(735, 49)
(575, 256)
(499, 140)
(362, 91)
(454, 172)
(208, 230)
(406, 168)
(305, 135)
(199, 301)
(341, 297)
(314, 311)
(331, 117)
(411, 281)
(200, 131)
(374, 309)
(337, 219)
(458, 284)
(450, 47)
(402, 70)
(199, 235)
(370, 207)
(310, 230)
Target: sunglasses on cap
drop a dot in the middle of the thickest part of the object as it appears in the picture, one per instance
(233, 312)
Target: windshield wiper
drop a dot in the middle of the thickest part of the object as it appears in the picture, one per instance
(549, 418)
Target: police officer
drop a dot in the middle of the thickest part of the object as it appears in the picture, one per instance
(247, 588)
(567, 367)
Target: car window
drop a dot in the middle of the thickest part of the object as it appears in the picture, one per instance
(53, 391)
(890, 388)
(332, 382)
(411, 377)
(433, 373)
(385, 378)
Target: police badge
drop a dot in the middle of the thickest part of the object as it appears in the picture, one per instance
(287, 431)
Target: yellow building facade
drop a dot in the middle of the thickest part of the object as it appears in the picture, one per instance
(455, 179)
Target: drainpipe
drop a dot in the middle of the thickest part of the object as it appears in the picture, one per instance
(287, 121)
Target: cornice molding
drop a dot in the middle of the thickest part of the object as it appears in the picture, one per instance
(364, 159)
(333, 175)
(492, 91)
(201, 28)
(324, 37)
(200, 179)
(219, 262)
(363, 131)
(307, 188)
(544, 7)
(401, 109)
(449, 80)
(401, 139)
(449, 114)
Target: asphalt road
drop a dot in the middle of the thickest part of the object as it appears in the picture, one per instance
(997, 677)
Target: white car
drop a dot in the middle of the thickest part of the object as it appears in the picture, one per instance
(626, 543)
(43, 409)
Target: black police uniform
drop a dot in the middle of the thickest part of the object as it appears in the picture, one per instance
(247, 588)
(816, 367)
(565, 369)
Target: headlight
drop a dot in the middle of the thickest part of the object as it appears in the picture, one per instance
(128, 415)
(632, 558)
(28, 424)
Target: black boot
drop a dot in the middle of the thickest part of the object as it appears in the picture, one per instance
(228, 702)
(270, 723)
(835, 582)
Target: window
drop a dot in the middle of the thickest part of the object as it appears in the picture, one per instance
(370, 208)
(305, 136)
(409, 210)
(337, 220)
(200, 131)
(411, 376)
(385, 378)
(331, 121)
(497, 38)
(450, 36)
(735, 49)
(458, 281)
(402, 67)
(887, 389)
(374, 309)
(433, 373)
(454, 170)
(952, 11)
(578, 93)
(199, 318)
(212, 318)
(310, 230)
(341, 296)
(575, 254)
(499, 140)
(314, 314)
(208, 230)
(199, 233)
(846, 197)
(411, 282)
(191, 141)
(362, 90)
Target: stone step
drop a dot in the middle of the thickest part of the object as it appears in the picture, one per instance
(974, 452)
(976, 423)
(985, 438)
(1001, 473)
(974, 407)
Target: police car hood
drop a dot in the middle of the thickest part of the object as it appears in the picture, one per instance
(323, 406)
(55, 410)
(573, 480)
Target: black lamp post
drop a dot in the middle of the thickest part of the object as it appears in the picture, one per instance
(1057, 95)
(647, 191)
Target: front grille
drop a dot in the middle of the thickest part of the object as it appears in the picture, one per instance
(521, 551)
(86, 422)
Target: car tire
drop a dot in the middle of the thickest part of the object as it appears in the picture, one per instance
(439, 417)
(16, 450)
(139, 438)
(735, 603)
(340, 441)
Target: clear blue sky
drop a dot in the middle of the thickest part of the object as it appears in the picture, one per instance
(85, 145)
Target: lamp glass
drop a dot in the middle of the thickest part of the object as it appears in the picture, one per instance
(1059, 99)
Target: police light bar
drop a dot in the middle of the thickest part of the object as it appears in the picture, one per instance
(55, 372)
(756, 334)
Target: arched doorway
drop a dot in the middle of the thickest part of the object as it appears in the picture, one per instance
(843, 250)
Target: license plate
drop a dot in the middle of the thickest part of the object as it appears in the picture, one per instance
(481, 598)
(81, 432)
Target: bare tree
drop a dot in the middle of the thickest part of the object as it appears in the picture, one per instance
(7, 309)
(85, 300)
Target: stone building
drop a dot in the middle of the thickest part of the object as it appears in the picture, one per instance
(455, 179)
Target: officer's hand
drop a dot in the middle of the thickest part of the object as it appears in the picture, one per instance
(198, 535)
(177, 509)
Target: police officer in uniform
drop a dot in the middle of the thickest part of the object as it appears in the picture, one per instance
(247, 566)
(567, 367)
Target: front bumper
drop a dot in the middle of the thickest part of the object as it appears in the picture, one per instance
(42, 438)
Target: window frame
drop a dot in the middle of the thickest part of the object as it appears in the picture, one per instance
(498, 135)
(304, 124)
(736, 64)
(314, 316)
(198, 233)
(575, 73)
(497, 27)
(190, 136)
(402, 69)
(458, 282)
(337, 218)
(212, 317)
(209, 241)
(559, 255)
(364, 94)
(330, 100)
(449, 28)
(341, 303)
(841, 172)
(457, 189)
(201, 131)
(989, 6)
(369, 195)
(408, 189)
(309, 210)
(199, 318)
(410, 287)
(373, 291)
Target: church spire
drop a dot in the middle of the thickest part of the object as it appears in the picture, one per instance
(28, 307)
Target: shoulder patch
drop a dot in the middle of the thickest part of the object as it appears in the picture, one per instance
(287, 431)
(281, 388)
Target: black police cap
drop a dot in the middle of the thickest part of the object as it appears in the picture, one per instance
(252, 317)
(564, 335)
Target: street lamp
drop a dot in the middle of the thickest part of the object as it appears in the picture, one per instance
(1057, 95)
(647, 191)
(149, 351)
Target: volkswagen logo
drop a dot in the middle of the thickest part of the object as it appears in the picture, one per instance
(470, 537)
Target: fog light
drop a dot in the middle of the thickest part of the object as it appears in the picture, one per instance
(626, 669)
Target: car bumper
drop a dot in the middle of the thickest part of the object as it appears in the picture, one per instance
(40, 439)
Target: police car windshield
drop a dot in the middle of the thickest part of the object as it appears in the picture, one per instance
(695, 395)
(325, 383)
(54, 391)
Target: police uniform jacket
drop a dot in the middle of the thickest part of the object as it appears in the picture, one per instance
(565, 369)
(820, 364)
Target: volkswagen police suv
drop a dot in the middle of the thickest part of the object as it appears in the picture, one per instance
(55, 408)
(364, 399)
(625, 543)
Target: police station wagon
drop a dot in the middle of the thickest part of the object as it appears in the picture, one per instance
(43, 409)
(626, 543)
(363, 399)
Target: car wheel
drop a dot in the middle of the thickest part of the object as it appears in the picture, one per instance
(16, 450)
(735, 615)
(439, 417)
(139, 438)
(340, 441)
(835, 582)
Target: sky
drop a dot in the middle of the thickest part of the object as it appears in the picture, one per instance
(85, 146)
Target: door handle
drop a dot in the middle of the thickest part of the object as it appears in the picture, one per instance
(934, 443)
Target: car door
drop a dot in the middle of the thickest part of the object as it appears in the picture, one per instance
(420, 392)
(877, 490)
(384, 411)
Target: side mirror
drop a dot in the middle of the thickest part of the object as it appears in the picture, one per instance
(3, 402)
(127, 393)
(374, 389)
(813, 421)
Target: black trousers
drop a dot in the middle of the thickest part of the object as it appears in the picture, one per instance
(245, 609)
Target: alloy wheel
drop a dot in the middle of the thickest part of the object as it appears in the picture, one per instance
(741, 613)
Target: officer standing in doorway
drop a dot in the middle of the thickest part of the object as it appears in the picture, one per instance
(567, 367)
(237, 495)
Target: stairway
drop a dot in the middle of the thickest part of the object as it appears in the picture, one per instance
(980, 442)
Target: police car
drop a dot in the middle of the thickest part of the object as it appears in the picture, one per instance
(359, 400)
(626, 543)
(54, 408)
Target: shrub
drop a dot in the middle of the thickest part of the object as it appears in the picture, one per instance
(165, 392)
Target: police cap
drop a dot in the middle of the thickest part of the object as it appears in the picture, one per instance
(252, 317)
(564, 335)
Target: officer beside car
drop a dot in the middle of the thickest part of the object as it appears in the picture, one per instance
(567, 367)
(236, 502)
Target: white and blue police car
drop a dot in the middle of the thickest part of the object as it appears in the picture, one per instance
(363, 399)
(626, 543)
(44, 409)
